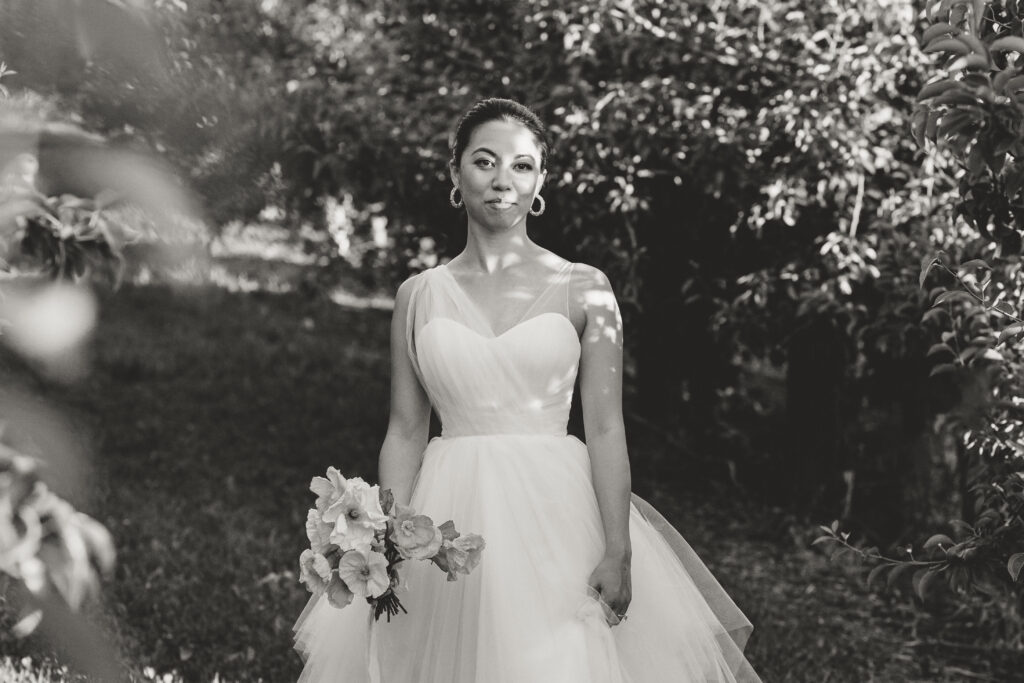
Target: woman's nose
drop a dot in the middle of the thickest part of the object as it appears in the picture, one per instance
(500, 179)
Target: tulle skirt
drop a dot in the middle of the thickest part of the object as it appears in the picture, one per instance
(525, 614)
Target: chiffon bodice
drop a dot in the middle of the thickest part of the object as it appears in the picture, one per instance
(519, 381)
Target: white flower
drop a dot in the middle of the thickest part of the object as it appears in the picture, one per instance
(328, 490)
(338, 594)
(356, 516)
(356, 537)
(365, 574)
(318, 532)
(314, 571)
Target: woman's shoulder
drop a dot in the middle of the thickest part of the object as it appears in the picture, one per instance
(586, 277)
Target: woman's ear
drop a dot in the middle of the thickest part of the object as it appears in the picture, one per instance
(540, 181)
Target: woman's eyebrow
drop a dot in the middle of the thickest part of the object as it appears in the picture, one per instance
(493, 154)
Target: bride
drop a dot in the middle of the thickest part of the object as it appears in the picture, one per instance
(581, 580)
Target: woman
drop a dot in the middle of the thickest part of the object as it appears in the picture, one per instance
(580, 581)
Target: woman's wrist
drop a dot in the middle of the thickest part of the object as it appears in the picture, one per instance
(618, 551)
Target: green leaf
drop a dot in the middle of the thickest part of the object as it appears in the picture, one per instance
(1014, 565)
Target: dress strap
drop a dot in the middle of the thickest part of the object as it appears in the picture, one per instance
(568, 291)
(550, 288)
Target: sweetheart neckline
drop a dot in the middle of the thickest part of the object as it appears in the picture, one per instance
(478, 312)
(517, 325)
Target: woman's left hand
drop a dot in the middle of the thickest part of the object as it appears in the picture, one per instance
(611, 579)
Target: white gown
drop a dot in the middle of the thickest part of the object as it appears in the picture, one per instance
(505, 468)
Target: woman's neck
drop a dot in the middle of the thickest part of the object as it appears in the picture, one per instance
(489, 252)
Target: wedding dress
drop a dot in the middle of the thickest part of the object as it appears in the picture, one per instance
(505, 468)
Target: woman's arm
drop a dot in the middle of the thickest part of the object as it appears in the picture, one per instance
(409, 418)
(601, 397)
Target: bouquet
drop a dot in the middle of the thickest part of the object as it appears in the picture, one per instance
(358, 537)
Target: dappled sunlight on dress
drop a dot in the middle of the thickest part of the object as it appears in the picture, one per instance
(504, 467)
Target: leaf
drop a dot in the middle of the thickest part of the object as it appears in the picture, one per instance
(973, 263)
(957, 96)
(977, 14)
(896, 573)
(935, 30)
(1009, 332)
(974, 43)
(1014, 565)
(937, 539)
(874, 574)
(27, 623)
(927, 263)
(971, 61)
(947, 45)
(1000, 80)
(918, 122)
(940, 348)
(952, 296)
(1014, 84)
(922, 579)
(1008, 43)
(937, 88)
(822, 539)
(942, 369)
(992, 354)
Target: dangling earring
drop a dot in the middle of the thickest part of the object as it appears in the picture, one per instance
(451, 198)
(542, 207)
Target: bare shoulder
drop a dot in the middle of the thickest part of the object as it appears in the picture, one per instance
(592, 299)
(587, 277)
(590, 288)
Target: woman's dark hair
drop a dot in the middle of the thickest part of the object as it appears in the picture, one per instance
(498, 109)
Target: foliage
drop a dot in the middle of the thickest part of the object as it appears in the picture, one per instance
(46, 544)
(973, 111)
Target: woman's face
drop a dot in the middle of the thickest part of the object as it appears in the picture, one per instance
(499, 174)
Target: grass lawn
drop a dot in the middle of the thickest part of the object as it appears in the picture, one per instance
(209, 411)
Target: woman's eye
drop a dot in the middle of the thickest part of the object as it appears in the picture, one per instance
(524, 167)
(482, 163)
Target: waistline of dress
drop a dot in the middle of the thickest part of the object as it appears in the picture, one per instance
(530, 435)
